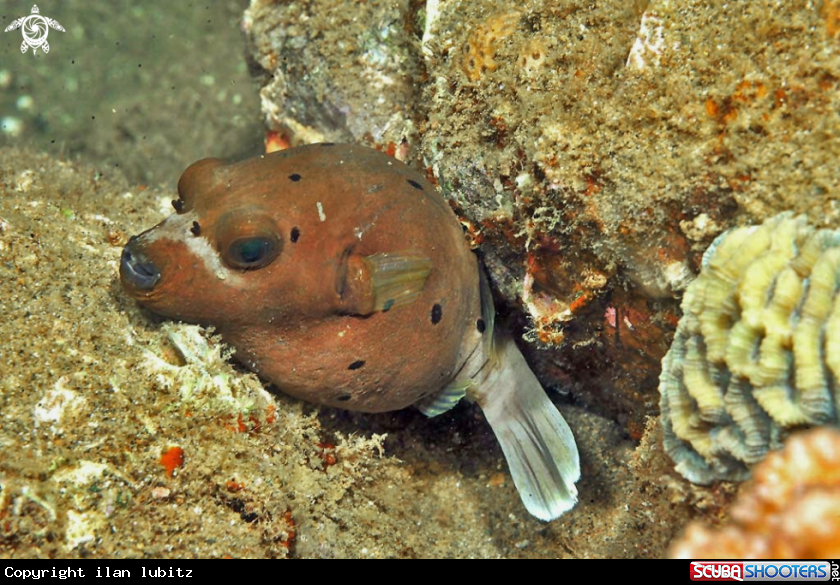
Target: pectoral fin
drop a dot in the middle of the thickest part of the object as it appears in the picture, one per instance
(384, 281)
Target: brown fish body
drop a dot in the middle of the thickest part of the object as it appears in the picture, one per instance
(342, 276)
(306, 320)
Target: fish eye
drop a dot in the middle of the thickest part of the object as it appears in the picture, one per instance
(251, 253)
(247, 238)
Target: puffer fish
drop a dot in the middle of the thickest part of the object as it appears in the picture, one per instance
(342, 276)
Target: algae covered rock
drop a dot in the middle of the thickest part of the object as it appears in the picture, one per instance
(336, 71)
(757, 351)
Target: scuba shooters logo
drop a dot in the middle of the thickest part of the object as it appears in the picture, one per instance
(35, 29)
(764, 571)
(717, 571)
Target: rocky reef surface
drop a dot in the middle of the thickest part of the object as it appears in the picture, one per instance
(593, 152)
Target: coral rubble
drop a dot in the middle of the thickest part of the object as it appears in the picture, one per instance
(757, 351)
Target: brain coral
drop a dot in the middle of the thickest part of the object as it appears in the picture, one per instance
(757, 351)
(791, 509)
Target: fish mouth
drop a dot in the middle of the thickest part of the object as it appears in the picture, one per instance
(137, 272)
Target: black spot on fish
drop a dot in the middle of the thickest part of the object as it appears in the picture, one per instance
(295, 234)
(328, 144)
(294, 177)
(480, 325)
(437, 313)
(388, 304)
(344, 398)
(415, 184)
(178, 204)
(356, 365)
(195, 229)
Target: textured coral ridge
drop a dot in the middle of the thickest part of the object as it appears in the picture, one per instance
(790, 510)
(757, 351)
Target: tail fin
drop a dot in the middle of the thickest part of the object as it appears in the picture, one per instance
(537, 442)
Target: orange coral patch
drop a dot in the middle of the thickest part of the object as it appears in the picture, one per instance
(172, 459)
